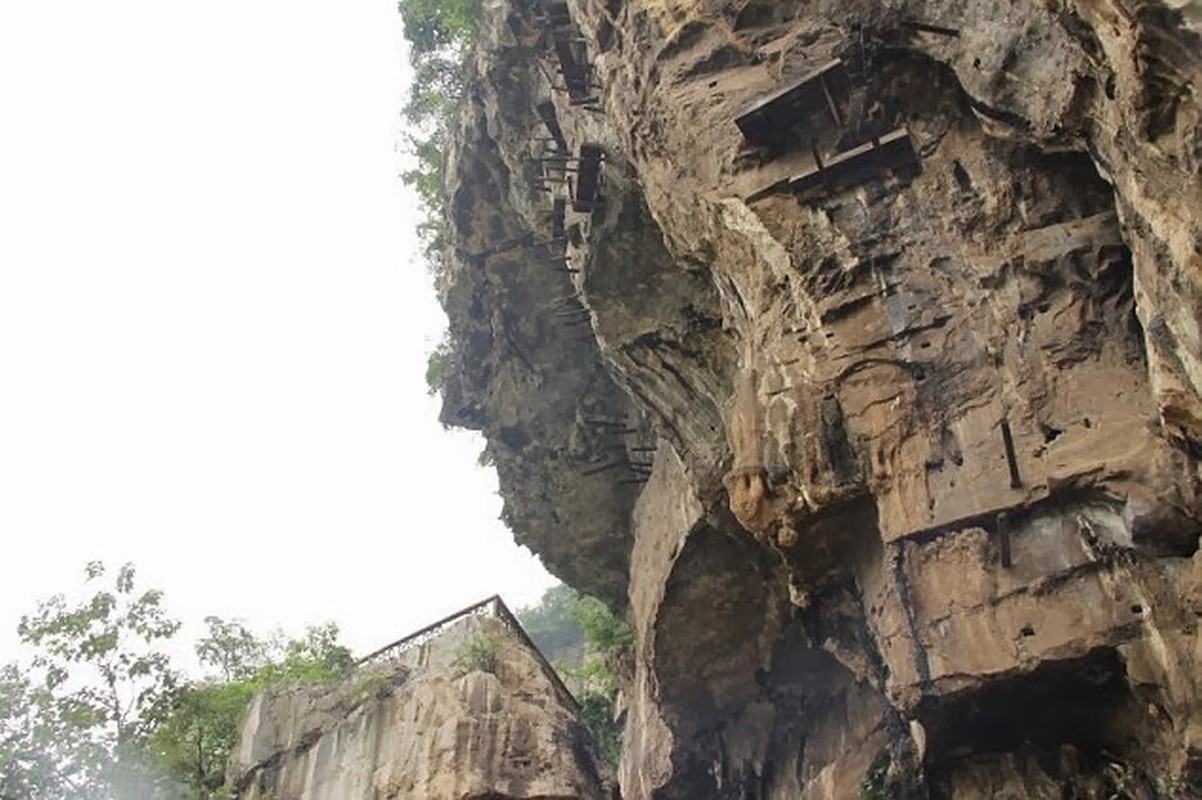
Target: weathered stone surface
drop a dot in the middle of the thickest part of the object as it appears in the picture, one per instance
(924, 508)
(422, 727)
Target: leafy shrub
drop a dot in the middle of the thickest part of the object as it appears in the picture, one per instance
(478, 655)
(437, 364)
(441, 36)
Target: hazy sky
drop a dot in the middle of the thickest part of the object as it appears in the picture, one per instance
(214, 321)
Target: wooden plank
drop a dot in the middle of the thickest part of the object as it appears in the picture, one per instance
(892, 151)
(546, 112)
(588, 178)
(927, 27)
(558, 15)
(558, 217)
(1087, 233)
(769, 119)
(573, 63)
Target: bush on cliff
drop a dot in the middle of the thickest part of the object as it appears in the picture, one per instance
(441, 35)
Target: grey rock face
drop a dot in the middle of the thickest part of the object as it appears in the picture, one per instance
(884, 424)
(422, 726)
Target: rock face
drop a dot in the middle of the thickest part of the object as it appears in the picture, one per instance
(876, 406)
(424, 725)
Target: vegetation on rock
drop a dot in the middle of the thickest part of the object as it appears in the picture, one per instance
(437, 364)
(441, 35)
(478, 655)
(565, 619)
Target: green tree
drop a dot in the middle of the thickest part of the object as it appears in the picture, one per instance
(98, 683)
(563, 618)
(316, 656)
(99, 713)
(28, 766)
(194, 742)
(605, 632)
(608, 637)
(432, 26)
(552, 623)
(441, 35)
(231, 648)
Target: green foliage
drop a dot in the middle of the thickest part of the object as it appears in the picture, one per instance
(605, 632)
(437, 364)
(593, 676)
(563, 619)
(597, 714)
(552, 623)
(28, 765)
(194, 743)
(597, 696)
(99, 713)
(441, 35)
(372, 682)
(435, 25)
(232, 649)
(97, 686)
(315, 657)
(478, 655)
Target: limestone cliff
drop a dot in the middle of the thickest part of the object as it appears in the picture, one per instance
(425, 723)
(853, 348)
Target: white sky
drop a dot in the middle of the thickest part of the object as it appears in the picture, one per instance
(214, 321)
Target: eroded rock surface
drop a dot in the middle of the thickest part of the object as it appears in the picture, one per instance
(426, 725)
(881, 419)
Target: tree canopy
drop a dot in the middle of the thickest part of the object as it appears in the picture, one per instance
(441, 35)
(98, 684)
(100, 711)
(564, 618)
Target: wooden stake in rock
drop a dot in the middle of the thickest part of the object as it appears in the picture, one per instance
(1003, 533)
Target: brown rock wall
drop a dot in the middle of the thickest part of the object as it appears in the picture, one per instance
(422, 727)
(926, 424)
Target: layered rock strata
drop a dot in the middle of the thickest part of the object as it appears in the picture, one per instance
(875, 405)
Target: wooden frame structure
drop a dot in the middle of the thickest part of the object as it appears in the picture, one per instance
(891, 152)
(559, 214)
(571, 51)
(770, 120)
(546, 112)
(586, 192)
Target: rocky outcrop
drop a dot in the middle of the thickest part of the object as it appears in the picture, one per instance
(469, 714)
(876, 408)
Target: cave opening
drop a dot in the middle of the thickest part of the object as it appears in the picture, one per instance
(1084, 705)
